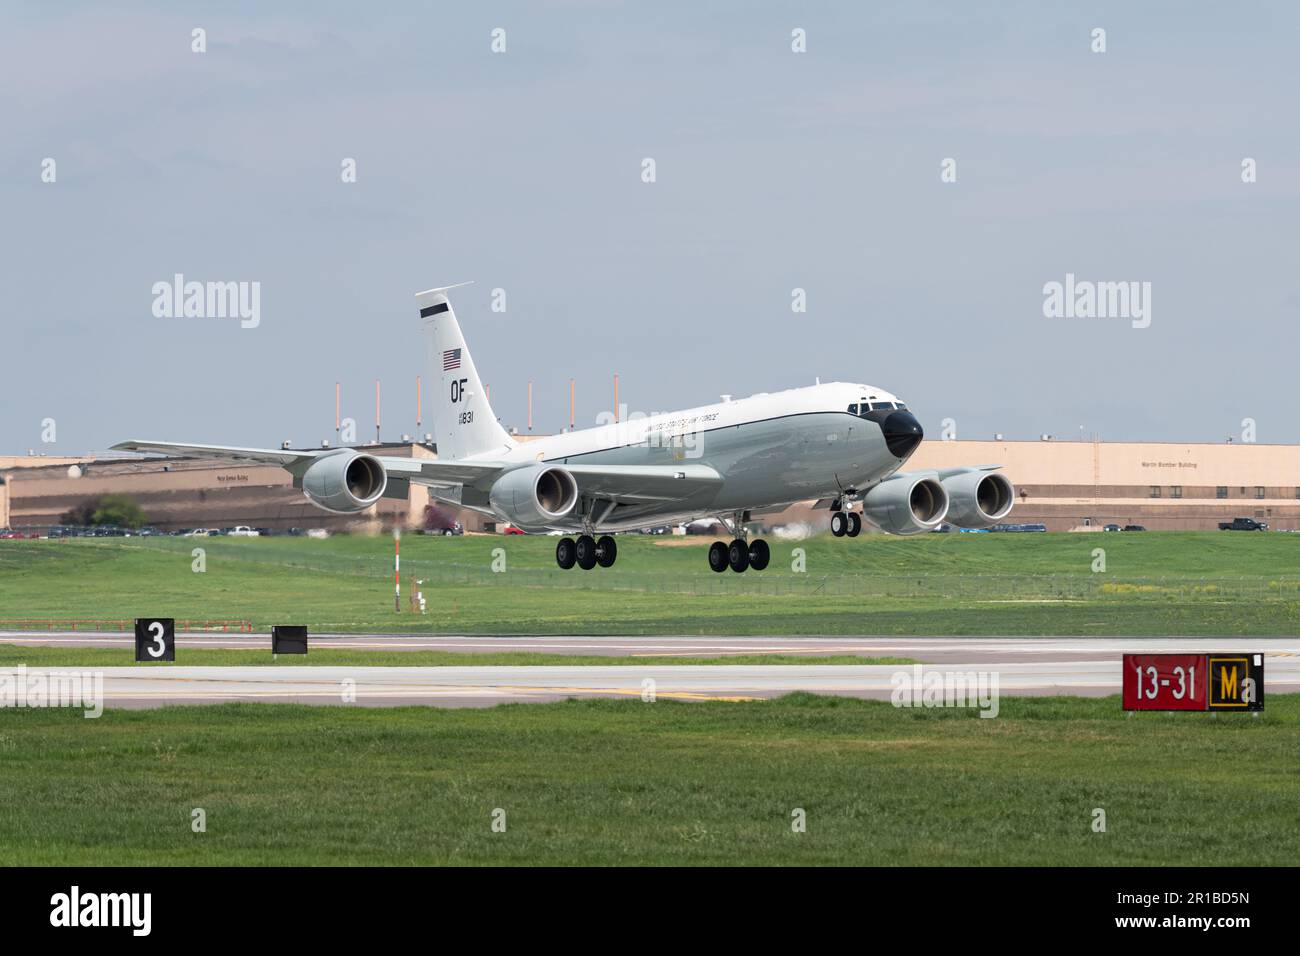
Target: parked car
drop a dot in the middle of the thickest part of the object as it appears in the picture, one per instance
(1243, 524)
(1134, 527)
(1111, 527)
(244, 531)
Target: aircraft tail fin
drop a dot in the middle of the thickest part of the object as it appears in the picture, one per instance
(463, 422)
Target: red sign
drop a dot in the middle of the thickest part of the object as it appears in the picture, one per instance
(1165, 681)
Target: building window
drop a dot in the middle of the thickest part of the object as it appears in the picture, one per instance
(1259, 491)
(1155, 491)
(1297, 491)
(1175, 491)
(1222, 492)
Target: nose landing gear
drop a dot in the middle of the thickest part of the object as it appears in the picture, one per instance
(846, 523)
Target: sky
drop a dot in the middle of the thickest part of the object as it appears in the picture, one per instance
(523, 169)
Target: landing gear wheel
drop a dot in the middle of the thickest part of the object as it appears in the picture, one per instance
(586, 549)
(839, 524)
(855, 524)
(566, 553)
(606, 551)
(718, 556)
(759, 554)
(738, 555)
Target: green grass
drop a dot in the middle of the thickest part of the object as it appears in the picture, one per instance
(12, 655)
(1154, 583)
(624, 782)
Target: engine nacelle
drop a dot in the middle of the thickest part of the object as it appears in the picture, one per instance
(534, 497)
(906, 505)
(344, 483)
(979, 499)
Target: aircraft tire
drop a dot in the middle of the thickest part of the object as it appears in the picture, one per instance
(718, 556)
(738, 555)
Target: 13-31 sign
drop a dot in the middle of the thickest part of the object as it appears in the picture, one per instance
(1193, 682)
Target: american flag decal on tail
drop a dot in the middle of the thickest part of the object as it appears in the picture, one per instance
(450, 359)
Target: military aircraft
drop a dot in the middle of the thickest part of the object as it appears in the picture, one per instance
(840, 443)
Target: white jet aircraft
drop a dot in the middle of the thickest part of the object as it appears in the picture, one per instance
(838, 443)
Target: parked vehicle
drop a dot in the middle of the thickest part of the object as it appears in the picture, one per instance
(244, 531)
(1111, 527)
(1243, 524)
(440, 521)
(1134, 527)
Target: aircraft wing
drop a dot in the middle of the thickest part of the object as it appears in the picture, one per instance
(266, 456)
(962, 469)
(619, 483)
(415, 469)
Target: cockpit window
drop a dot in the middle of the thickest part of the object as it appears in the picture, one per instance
(881, 406)
(853, 409)
(900, 406)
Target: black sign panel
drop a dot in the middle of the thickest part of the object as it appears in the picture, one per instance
(155, 639)
(288, 639)
(1236, 681)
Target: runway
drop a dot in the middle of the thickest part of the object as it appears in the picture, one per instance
(1082, 666)
(932, 649)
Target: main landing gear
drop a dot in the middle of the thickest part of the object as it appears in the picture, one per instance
(741, 553)
(586, 552)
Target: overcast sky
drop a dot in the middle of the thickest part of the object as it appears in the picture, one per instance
(774, 170)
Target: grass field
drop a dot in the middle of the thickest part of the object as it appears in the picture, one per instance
(12, 655)
(598, 782)
(1154, 583)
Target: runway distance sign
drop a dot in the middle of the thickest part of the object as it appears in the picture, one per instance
(1199, 682)
(288, 639)
(1164, 682)
(155, 639)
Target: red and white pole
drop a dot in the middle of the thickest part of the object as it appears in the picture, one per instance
(397, 570)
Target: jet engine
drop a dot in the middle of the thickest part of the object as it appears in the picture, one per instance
(979, 498)
(344, 482)
(906, 505)
(534, 497)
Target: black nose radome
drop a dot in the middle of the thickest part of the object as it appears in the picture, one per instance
(902, 433)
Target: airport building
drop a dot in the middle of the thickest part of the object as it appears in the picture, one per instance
(1159, 485)
(1064, 485)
